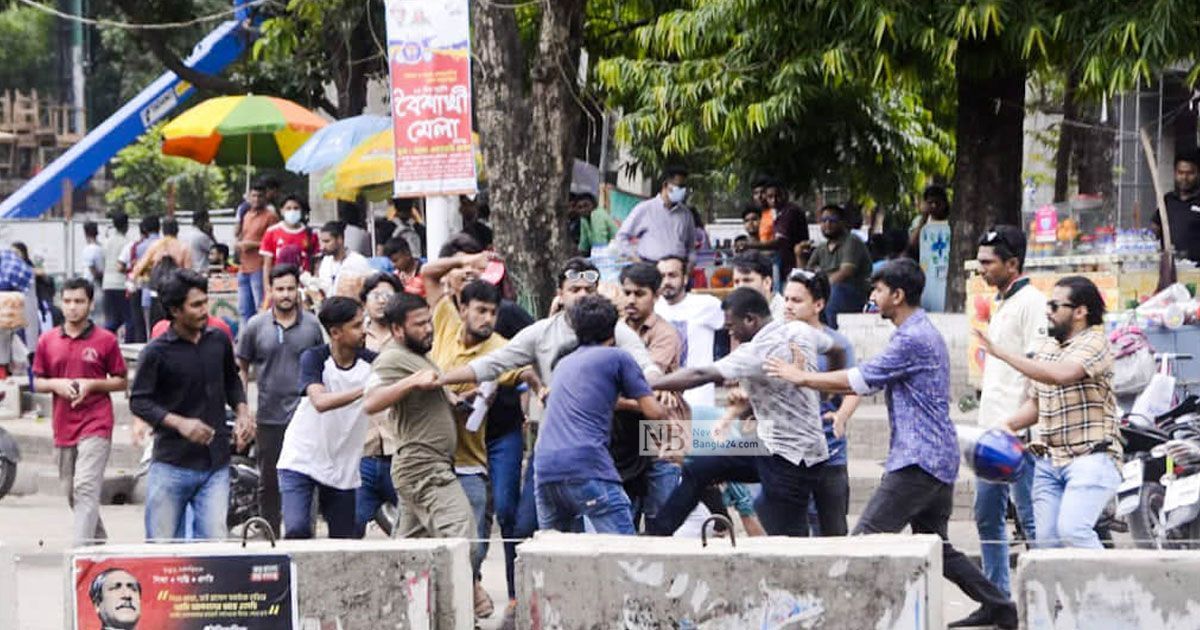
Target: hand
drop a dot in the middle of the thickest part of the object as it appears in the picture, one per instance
(195, 431)
(141, 431)
(64, 389)
(244, 430)
(839, 423)
(555, 305)
(778, 368)
(984, 343)
(737, 397)
(424, 380)
(669, 400)
(82, 389)
(543, 394)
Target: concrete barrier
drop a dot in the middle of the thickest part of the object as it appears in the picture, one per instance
(1109, 589)
(8, 587)
(573, 581)
(345, 584)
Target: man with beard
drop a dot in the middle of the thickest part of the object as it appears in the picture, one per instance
(323, 443)
(337, 261)
(272, 342)
(845, 260)
(917, 489)
(1075, 409)
(1183, 207)
(117, 596)
(475, 336)
(696, 317)
(404, 381)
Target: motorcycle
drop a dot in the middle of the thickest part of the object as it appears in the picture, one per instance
(1158, 455)
(10, 454)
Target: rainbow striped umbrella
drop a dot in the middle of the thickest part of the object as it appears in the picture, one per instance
(232, 130)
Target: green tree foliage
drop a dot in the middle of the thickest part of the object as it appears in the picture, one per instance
(27, 56)
(143, 177)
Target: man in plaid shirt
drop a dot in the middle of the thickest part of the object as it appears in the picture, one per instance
(1072, 402)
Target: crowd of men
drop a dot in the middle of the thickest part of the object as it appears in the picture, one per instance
(412, 387)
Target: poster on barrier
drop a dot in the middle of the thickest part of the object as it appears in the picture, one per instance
(429, 68)
(249, 592)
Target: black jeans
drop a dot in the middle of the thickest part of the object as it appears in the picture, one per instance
(782, 507)
(135, 328)
(116, 311)
(269, 441)
(831, 498)
(911, 496)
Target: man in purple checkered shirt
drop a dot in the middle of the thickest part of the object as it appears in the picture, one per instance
(918, 486)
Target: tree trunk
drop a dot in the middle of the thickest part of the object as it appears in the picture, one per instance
(1066, 140)
(526, 126)
(988, 153)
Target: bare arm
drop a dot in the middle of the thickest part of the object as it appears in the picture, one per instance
(380, 398)
(686, 379)
(1025, 417)
(244, 372)
(650, 408)
(842, 274)
(434, 270)
(323, 400)
(1047, 372)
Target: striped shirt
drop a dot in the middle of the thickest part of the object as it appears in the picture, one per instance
(1074, 418)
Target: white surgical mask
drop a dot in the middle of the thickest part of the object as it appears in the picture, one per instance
(291, 217)
(677, 194)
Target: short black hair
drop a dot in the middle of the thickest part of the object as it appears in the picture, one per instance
(834, 208)
(174, 288)
(577, 264)
(376, 279)
(816, 282)
(904, 274)
(300, 201)
(396, 245)
(336, 229)
(888, 244)
(279, 271)
(1191, 156)
(480, 291)
(587, 196)
(149, 224)
(744, 301)
(642, 274)
(1085, 293)
(682, 261)
(72, 284)
(170, 227)
(337, 310)
(761, 181)
(1007, 241)
(96, 588)
(754, 262)
(935, 191)
(397, 309)
(199, 216)
(265, 183)
(594, 319)
(223, 248)
(461, 243)
(750, 209)
(120, 221)
(90, 229)
(671, 172)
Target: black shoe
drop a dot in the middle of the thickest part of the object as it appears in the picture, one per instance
(1004, 617)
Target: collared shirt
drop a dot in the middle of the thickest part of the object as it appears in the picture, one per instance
(1073, 419)
(660, 231)
(662, 342)
(914, 371)
(789, 417)
(1018, 324)
(193, 380)
(846, 250)
(94, 354)
(544, 342)
(274, 352)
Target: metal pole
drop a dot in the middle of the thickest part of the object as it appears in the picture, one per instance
(442, 219)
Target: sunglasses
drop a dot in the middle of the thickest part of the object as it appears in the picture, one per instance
(802, 275)
(1055, 305)
(830, 220)
(380, 296)
(992, 237)
(590, 276)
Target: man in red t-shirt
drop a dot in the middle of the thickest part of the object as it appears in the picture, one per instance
(81, 365)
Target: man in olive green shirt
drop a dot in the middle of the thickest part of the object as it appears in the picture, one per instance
(845, 259)
(404, 381)
(596, 225)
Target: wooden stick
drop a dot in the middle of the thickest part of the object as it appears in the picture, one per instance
(1166, 267)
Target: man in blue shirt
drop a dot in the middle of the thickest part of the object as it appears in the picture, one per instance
(922, 464)
(574, 472)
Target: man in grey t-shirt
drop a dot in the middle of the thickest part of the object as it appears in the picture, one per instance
(789, 418)
(272, 342)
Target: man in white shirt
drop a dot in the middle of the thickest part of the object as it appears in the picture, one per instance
(755, 270)
(116, 302)
(1018, 323)
(697, 318)
(337, 260)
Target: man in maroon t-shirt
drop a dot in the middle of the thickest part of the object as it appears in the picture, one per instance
(81, 364)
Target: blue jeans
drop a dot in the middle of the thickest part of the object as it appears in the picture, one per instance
(562, 504)
(1068, 500)
(504, 465)
(336, 505)
(843, 298)
(171, 490)
(476, 489)
(991, 510)
(527, 511)
(250, 293)
(662, 477)
(376, 490)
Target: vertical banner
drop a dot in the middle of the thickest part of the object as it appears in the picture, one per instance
(249, 592)
(429, 64)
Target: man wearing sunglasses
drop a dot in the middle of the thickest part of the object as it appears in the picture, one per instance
(662, 225)
(1074, 406)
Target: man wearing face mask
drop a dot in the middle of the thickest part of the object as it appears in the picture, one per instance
(290, 241)
(1073, 404)
(662, 225)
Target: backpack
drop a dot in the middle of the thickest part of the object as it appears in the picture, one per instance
(161, 271)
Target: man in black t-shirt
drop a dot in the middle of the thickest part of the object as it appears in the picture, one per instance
(1183, 207)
